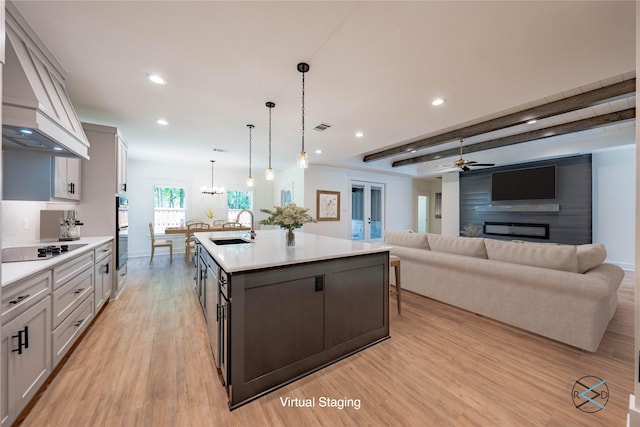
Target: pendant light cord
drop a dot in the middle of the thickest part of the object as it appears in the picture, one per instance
(303, 111)
(270, 137)
(250, 127)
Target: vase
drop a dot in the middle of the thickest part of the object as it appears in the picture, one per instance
(291, 238)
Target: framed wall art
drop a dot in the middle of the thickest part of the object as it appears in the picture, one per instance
(327, 205)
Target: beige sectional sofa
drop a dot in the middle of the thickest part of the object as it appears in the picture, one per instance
(563, 292)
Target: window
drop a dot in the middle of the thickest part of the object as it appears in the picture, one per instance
(237, 201)
(168, 207)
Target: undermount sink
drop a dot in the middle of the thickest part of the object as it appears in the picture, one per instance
(230, 241)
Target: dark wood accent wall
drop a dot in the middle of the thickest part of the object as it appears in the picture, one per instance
(571, 224)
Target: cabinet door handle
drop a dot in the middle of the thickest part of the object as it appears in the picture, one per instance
(106, 268)
(77, 291)
(26, 337)
(19, 336)
(17, 300)
(70, 190)
(124, 186)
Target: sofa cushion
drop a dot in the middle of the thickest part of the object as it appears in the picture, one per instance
(467, 246)
(556, 257)
(407, 238)
(590, 256)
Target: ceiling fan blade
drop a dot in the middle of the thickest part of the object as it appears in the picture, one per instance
(465, 168)
(484, 164)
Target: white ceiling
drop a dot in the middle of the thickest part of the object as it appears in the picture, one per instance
(375, 67)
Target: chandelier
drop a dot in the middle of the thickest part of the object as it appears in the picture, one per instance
(213, 189)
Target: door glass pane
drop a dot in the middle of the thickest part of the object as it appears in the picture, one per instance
(376, 212)
(357, 212)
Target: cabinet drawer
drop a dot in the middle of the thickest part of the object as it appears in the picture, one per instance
(70, 295)
(70, 329)
(103, 251)
(71, 268)
(19, 296)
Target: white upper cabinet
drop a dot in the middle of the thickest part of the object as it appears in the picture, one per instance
(66, 178)
(122, 164)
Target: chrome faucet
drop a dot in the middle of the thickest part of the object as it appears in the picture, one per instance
(252, 233)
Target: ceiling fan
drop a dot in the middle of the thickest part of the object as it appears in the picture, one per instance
(463, 164)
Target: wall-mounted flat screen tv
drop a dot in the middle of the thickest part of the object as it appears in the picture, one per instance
(524, 184)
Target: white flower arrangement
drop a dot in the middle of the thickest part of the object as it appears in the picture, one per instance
(288, 217)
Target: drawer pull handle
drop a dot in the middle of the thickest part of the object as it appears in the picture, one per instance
(77, 323)
(19, 299)
(77, 291)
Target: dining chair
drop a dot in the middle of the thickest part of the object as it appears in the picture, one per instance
(190, 240)
(159, 244)
(231, 225)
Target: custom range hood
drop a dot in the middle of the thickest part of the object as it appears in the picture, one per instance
(37, 113)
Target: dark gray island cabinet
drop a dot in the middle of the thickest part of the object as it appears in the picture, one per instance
(276, 314)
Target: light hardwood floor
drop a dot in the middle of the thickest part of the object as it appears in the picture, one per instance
(146, 362)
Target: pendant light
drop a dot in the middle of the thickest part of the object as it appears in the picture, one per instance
(213, 189)
(303, 160)
(250, 181)
(268, 174)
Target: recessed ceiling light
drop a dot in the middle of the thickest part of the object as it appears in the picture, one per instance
(57, 148)
(437, 101)
(532, 121)
(157, 79)
(162, 122)
(26, 131)
(359, 134)
(318, 151)
(410, 150)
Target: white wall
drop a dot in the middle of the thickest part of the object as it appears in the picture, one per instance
(451, 204)
(398, 195)
(143, 175)
(291, 179)
(614, 194)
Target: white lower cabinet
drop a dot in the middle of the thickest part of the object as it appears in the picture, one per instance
(103, 275)
(42, 316)
(72, 303)
(66, 334)
(25, 358)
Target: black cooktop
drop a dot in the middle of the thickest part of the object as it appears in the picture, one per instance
(35, 253)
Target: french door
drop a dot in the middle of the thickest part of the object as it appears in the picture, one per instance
(367, 211)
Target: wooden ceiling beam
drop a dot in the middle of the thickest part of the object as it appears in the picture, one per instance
(557, 130)
(577, 102)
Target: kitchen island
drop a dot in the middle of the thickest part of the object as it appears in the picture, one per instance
(276, 314)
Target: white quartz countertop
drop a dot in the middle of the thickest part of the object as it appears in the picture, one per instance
(269, 249)
(14, 271)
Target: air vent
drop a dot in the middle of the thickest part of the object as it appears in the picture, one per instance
(322, 127)
(219, 150)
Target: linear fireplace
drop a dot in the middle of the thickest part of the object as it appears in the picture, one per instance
(516, 229)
